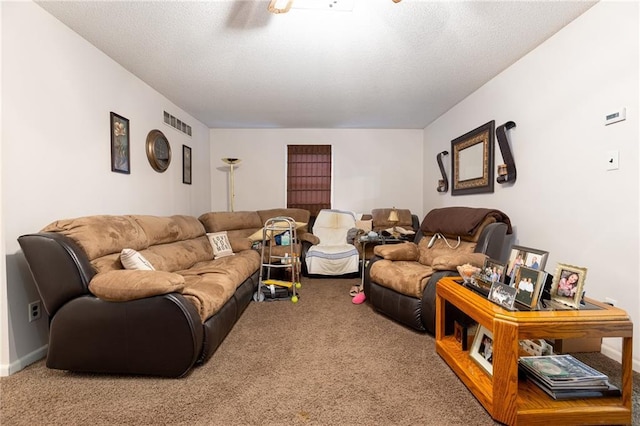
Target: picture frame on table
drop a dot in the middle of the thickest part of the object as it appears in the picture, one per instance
(524, 256)
(568, 284)
(120, 144)
(460, 334)
(482, 349)
(503, 295)
(529, 284)
(186, 164)
(491, 272)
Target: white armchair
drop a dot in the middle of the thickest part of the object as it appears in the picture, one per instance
(333, 255)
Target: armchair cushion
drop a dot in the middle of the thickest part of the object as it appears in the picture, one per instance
(450, 262)
(442, 248)
(124, 285)
(405, 277)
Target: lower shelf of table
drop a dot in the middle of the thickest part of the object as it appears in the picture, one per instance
(534, 406)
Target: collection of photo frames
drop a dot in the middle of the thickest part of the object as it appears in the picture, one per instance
(521, 280)
(519, 283)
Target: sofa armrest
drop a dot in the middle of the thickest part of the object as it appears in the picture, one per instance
(309, 237)
(404, 251)
(159, 335)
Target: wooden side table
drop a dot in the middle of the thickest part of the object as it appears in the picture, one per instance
(513, 401)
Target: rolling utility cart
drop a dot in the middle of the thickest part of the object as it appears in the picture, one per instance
(289, 262)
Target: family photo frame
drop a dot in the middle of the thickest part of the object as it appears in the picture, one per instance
(482, 349)
(568, 284)
(503, 295)
(491, 272)
(524, 256)
(529, 284)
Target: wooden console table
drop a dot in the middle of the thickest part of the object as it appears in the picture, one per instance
(512, 401)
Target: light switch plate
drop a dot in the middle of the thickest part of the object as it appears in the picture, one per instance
(612, 158)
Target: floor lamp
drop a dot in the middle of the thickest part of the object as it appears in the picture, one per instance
(231, 162)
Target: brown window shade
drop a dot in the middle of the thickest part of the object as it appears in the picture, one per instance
(309, 177)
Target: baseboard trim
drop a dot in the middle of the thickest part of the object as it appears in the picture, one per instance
(20, 363)
(616, 355)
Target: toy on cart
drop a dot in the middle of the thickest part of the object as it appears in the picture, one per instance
(289, 263)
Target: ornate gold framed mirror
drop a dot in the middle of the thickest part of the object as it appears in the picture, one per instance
(158, 151)
(472, 161)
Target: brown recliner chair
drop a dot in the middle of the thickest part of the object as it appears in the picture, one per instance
(400, 280)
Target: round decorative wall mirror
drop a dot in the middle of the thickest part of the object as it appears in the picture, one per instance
(158, 151)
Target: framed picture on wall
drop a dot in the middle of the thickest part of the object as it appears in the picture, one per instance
(186, 164)
(120, 160)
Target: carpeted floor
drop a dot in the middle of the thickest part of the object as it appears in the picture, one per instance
(323, 361)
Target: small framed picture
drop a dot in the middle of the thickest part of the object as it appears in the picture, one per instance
(491, 272)
(503, 295)
(568, 284)
(186, 164)
(482, 349)
(460, 333)
(529, 284)
(524, 256)
(120, 160)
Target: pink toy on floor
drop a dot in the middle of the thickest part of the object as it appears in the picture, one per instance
(359, 298)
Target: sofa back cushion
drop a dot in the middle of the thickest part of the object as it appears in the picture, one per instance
(381, 219)
(102, 235)
(237, 224)
(298, 215)
(168, 243)
(161, 230)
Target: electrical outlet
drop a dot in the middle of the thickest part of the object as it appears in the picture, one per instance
(35, 310)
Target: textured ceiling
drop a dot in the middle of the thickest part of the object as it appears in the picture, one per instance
(232, 64)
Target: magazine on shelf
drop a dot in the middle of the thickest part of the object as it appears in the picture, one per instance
(562, 371)
(576, 393)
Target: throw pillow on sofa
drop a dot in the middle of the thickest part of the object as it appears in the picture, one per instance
(131, 259)
(220, 244)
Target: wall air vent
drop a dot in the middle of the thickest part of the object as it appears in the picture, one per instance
(177, 124)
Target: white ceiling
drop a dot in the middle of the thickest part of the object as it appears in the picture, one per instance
(232, 64)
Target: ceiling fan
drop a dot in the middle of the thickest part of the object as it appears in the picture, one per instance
(283, 6)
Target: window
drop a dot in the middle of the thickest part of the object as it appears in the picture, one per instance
(309, 177)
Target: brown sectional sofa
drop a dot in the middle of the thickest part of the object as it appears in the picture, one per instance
(106, 319)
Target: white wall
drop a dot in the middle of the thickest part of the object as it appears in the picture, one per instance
(564, 201)
(57, 92)
(371, 168)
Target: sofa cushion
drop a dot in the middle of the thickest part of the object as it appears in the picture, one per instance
(408, 278)
(123, 285)
(220, 244)
(132, 259)
(211, 283)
